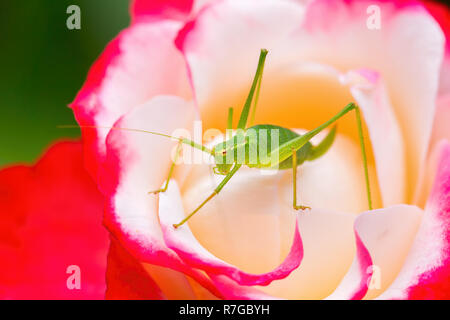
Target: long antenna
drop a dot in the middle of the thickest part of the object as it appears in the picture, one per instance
(183, 140)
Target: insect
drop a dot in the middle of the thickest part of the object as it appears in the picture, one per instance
(290, 150)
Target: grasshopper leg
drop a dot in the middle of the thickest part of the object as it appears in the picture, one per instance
(172, 167)
(212, 195)
(294, 175)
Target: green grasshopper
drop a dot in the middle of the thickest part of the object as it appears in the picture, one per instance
(291, 151)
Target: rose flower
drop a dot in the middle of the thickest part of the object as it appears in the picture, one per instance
(180, 62)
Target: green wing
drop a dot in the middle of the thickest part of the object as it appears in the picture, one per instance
(284, 135)
(323, 146)
(308, 152)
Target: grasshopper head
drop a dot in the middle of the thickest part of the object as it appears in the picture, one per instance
(223, 162)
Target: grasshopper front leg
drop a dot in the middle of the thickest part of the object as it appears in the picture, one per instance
(172, 167)
(212, 195)
(294, 175)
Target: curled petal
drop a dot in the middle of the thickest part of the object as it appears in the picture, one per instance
(354, 284)
(233, 291)
(183, 242)
(137, 163)
(369, 91)
(441, 129)
(140, 63)
(426, 272)
(387, 235)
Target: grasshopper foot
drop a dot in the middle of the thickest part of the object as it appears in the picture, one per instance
(302, 208)
(156, 191)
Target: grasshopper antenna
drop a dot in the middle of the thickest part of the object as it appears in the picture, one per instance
(182, 140)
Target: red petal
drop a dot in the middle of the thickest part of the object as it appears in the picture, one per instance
(126, 278)
(51, 218)
(161, 9)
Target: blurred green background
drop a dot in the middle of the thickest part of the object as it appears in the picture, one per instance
(43, 64)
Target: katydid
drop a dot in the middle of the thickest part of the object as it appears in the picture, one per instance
(291, 150)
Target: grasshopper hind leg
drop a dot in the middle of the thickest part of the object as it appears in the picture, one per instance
(294, 175)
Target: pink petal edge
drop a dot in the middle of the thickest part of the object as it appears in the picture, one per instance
(183, 242)
(426, 272)
(140, 63)
(354, 284)
(130, 213)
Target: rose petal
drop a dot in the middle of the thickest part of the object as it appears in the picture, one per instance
(441, 129)
(183, 242)
(140, 63)
(218, 60)
(426, 272)
(387, 235)
(442, 15)
(51, 218)
(127, 279)
(408, 38)
(369, 92)
(175, 284)
(232, 291)
(354, 284)
(161, 9)
(328, 247)
(137, 163)
(430, 174)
